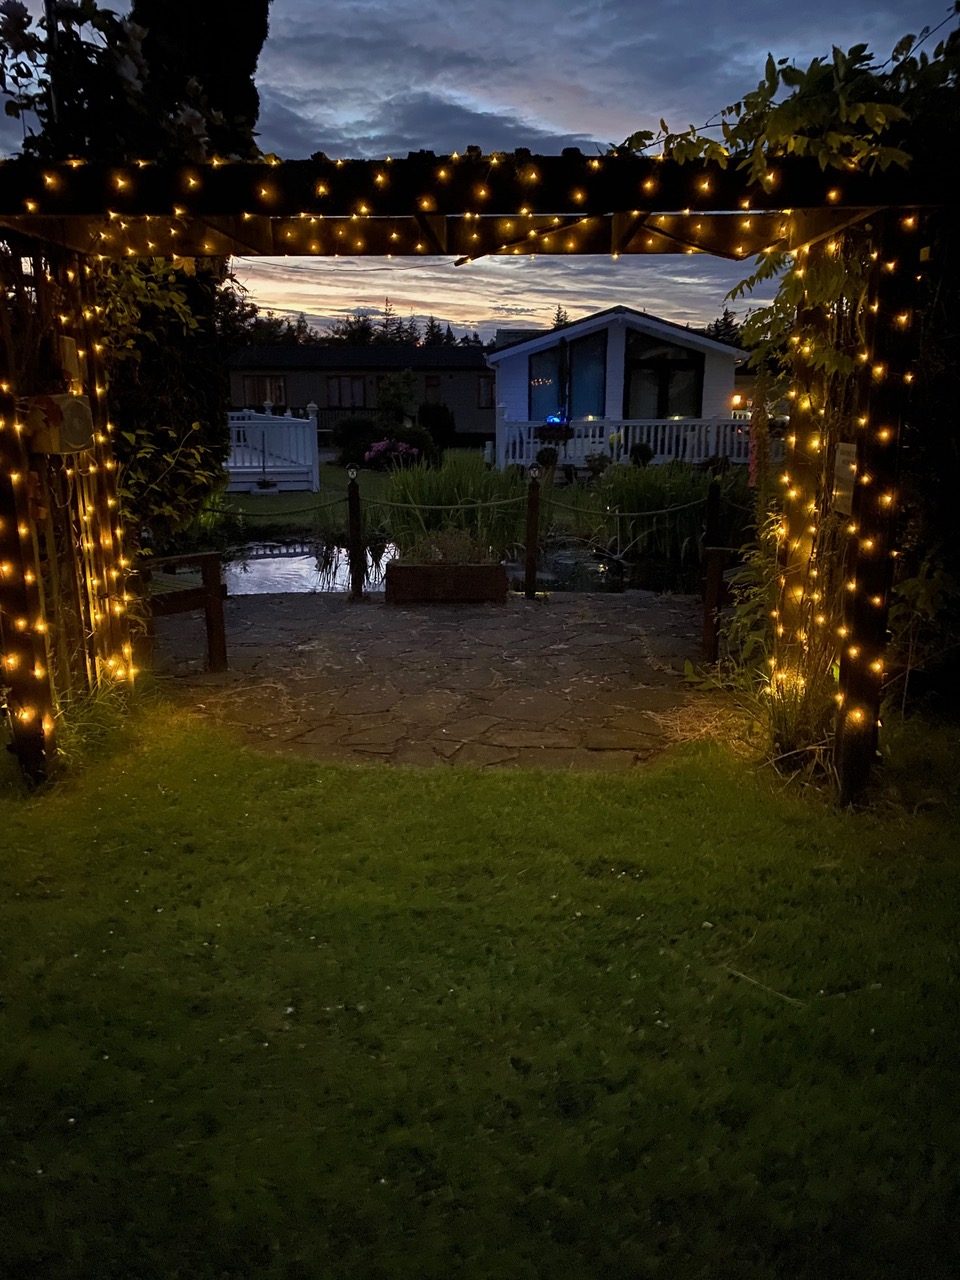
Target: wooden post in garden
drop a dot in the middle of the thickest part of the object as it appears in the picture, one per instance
(533, 533)
(213, 610)
(713, 557)
(355, 548)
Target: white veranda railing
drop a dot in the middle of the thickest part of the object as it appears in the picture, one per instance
(274, 448)
(669, 440)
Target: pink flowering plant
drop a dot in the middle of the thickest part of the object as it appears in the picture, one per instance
(384, 454)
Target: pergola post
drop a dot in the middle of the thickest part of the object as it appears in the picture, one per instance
(889, 355)
(25, 667)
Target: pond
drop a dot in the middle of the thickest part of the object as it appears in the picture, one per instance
(264, 568)
(280, 568)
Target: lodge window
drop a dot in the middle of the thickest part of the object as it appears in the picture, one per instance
(485, 391)
(546, 396)
(569, 379)
(263, 388)
(432, 388)
(588, 376)
(346, 391)
(661, 380)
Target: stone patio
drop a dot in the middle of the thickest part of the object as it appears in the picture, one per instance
(569, 681)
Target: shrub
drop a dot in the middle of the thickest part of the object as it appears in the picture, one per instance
(597, 463)
(439, 421)
(355, 437)
(547, 457)
(352, 438)
(641, 454)
(383, 455)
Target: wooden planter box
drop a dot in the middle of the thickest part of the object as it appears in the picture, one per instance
(446, 583)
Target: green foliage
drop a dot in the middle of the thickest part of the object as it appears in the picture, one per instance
(924, 621)
(848, 112)
(665, 548)
(449, 546)
(167, 389)
(129, 88)
(396, 397)
(463, 484)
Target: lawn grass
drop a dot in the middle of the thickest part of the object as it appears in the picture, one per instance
(263, 1018)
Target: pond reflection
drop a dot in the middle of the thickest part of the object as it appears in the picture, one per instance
(279, 568)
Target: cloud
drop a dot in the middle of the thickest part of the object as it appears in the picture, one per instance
(406, 122)
(490, 292)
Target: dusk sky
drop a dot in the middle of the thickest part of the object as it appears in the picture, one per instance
(370, 78)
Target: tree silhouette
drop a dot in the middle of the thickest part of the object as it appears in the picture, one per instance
(725, 329)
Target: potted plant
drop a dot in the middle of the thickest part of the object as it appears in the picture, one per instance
(446, 566)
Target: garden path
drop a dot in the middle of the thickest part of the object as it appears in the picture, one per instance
(567, 681)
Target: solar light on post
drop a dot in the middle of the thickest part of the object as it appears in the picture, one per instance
(533, 532)
(355, 548)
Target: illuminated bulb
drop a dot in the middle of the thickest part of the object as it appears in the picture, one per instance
(833, 195)
(884, 435)
(856, 716)
(854, 651)
(886, 499)
(876, 601)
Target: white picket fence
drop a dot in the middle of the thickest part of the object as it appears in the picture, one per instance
(670, 440)
(272, 452)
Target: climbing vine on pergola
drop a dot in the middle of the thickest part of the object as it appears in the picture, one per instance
(63, 217)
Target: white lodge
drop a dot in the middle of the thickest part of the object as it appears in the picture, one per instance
(619, 373)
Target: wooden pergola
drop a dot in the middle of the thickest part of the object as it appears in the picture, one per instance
(63, 216)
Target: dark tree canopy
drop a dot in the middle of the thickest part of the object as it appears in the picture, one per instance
(216, 44)
(725, 329)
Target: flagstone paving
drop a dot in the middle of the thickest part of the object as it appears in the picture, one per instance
(572, 681)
